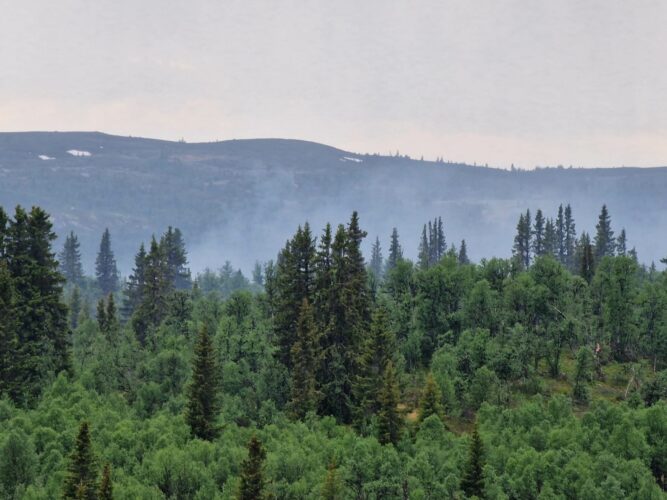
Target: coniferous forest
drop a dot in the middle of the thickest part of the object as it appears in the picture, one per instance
(333, 374)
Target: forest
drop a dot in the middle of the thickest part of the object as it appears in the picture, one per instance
(329, 375)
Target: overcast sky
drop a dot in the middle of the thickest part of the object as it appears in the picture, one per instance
(529, 82)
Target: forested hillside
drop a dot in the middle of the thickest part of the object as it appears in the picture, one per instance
(236, 200)
(331, 375)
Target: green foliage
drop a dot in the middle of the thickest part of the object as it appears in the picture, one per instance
(430, 402)
(472, 482)
(202, 407)
(80, 481)
(252, 475)
(106, 271)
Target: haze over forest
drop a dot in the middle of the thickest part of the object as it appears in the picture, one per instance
(240, 200)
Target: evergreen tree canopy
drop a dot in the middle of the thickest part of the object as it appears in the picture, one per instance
(202, 405)
(395, 251)
(472, 482)
(70, 260)
(106, 271)
(252, 475)
(81, 478)
(605, 244)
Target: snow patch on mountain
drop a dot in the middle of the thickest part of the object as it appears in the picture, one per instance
(76, 152)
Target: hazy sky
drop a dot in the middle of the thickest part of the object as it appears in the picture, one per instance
(529, 82)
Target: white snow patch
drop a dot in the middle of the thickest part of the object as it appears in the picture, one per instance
(44, 157)
(76, 152)
(349, 158)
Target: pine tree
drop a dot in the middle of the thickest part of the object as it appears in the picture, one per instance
(105, 491)
(622, 243)
(424, 250)
(306, 355)
(80, 481)
(106, 271)
(202, 405)
(252, 476)
(258, 274)
(376, 264)
(8, 338)
(101, 315)
(463, 254)
(472, 482)
(604, 236)
(441, 244)
(430, 400)
(156, 292)
(389, 420)
(560, 236)
(70, 260)
(539, 247)
(395, 251)
(522, 240)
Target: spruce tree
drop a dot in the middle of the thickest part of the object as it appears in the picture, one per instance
(252, 475)
(539, 247)
(105, 491)
(70, 260)
(522, 241)
(376, 263)
(8, 339)
(395, 251)
(156, 292)
(604, 236)
(136, 285)
(430, 402)
(43, 327)
(463, 254)
(306, 355)
(570, 238)
(560, 236)
(389, 420)
(622, 243)
(202, 405)
(582, 375)
(175, 255)
(472, 482)
(550, 239)
(80, 480)
(441, 244)
(378, 349)
(101, 315)
(586, 258)
(424, 250)
(106, 271)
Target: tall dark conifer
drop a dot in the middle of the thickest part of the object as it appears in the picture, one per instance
(560, 236)
(395, 251)
(175, 255)
(463, 253)
(105, 491)
(8, 338)
(472, 482)
(377, 264)
(570, 238)
(306, 355)
(106, 271)
(430, 402)
(550, 239)
(252, 474)
(136, 284)
(622, 243)
(202, 405)
(605, 244)
(81, 478)
(538, 244)
(70, 260)
(389, 419)
(423, 257)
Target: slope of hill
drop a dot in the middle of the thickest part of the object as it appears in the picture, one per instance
(240, 199)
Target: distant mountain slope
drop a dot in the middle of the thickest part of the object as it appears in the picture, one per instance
(240, 200)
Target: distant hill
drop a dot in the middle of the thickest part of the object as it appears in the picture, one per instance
(241, 199)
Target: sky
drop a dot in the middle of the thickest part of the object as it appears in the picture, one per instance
(497, 82)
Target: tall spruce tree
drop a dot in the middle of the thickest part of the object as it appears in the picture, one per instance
(376, 264)
(81, 477)
(294, 282)
(440, 243)
(560, 236)
(332, 488)
(430, 402)
(622, 243)
(472, 482)
(306, 356)
(105, 491)
(74, 307)
(8, 338)
(569, 238)
(522, 240)
(586, 257)
(252, 474)
(175, 255)
(395, 251)
(389, 420)
(106, 271)
(70, 260)
(550, 238)
(378, 349)
(463, 254)
(202, 405)
(539, 247)
(136, 284)
(605, 244)
(42, 324)
(423, 256)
